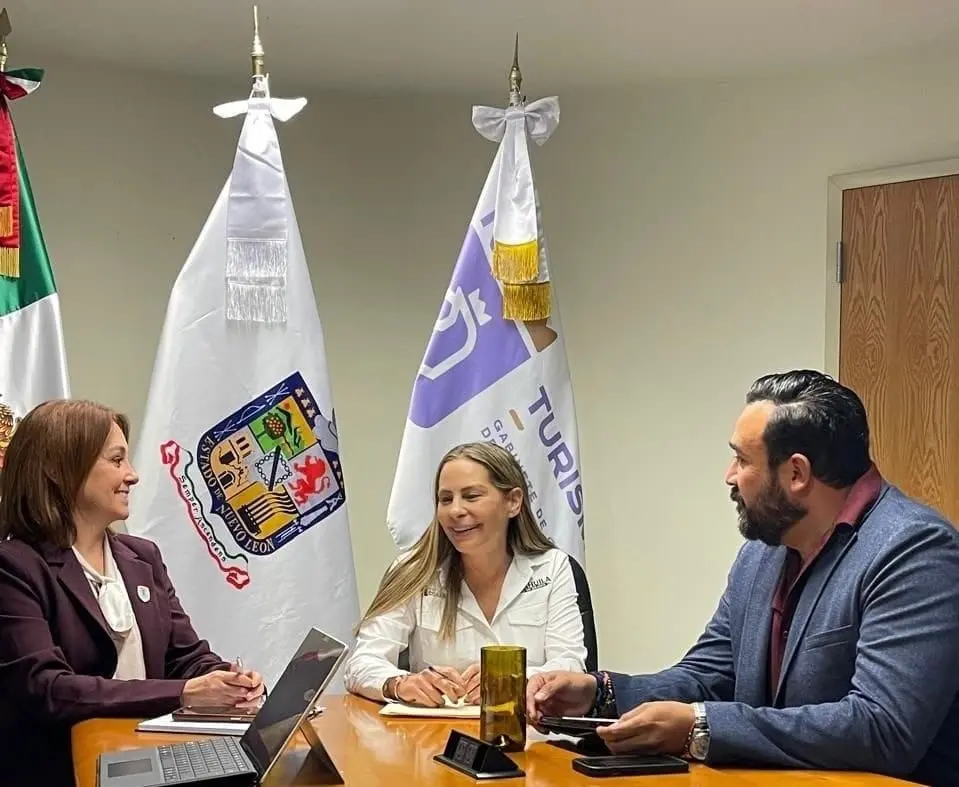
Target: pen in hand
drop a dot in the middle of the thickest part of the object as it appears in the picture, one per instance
(236, 667)
(435, 671)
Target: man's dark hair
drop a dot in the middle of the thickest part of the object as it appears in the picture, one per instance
(819, 418)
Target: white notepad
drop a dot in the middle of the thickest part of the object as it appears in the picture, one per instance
(450, 711)
(168, 724)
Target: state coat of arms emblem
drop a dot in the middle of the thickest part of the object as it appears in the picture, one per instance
(272, 470)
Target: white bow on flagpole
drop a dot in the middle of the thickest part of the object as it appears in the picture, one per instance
(541, 116)
(283, 109)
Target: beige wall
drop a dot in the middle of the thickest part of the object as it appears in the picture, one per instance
(688, 233)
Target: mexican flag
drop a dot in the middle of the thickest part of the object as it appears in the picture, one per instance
(33, 365)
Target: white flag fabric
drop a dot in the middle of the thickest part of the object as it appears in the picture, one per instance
(241, 484)
(484, 377)
(33, 364)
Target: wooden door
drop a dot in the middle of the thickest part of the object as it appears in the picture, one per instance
(899, 330)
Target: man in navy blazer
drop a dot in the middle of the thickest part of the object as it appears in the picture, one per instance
(836, 642)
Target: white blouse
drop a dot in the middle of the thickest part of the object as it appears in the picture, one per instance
(111, 594)
(537, 609)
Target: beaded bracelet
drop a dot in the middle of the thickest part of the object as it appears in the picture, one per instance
(605, 700)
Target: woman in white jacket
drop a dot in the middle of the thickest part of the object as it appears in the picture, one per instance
(483, 573)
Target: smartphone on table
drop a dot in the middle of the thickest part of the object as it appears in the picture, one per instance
(577, 726)
(630, 765)
(214, 714)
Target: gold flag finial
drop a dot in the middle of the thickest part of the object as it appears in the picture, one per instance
(5, 30)
(515, 78)
(256, 55)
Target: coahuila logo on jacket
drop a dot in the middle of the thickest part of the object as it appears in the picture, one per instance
(272, 471)
(537, 584)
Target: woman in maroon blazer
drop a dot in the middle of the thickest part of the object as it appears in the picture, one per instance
(90, 624)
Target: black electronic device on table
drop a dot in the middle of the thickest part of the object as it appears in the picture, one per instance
(630, 765)
(476, 758)
(576, 726)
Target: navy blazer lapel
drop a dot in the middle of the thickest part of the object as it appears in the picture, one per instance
(141, 588)
(819, 574)
(70, 575)
(752, 673)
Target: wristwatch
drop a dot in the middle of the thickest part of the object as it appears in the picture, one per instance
(697, 745)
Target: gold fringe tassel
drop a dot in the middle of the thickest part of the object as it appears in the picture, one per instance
(6, 221)
(10, 262)
(526, 301)
(514, 263)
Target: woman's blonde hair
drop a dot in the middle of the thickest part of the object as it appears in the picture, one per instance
(412, 575)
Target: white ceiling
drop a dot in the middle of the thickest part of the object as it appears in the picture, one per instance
(386, 45)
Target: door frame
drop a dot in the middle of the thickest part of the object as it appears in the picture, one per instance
(835, 186)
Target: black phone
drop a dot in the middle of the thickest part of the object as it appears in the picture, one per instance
(630, 765)
(576, 726)
(219, 715)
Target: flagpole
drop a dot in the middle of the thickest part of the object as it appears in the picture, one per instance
(5, 30)
(257, 53)
(516, 98)
(260, 77)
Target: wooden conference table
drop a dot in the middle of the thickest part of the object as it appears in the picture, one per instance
(371, 750)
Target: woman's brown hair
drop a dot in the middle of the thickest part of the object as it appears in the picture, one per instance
(49, 457)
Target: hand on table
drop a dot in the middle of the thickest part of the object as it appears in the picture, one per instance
(218, 689)
(651, 728)
(559, 694)
(471, 681)
(254, 697)
(428, 686)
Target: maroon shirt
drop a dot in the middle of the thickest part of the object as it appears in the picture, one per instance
(861, 497)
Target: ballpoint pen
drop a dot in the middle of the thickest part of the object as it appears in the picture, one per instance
(460, 701)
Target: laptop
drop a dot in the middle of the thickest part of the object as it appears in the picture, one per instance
(226, 761)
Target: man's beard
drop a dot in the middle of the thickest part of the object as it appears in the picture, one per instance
(770, 517)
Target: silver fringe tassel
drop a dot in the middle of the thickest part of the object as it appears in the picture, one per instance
(256, 280)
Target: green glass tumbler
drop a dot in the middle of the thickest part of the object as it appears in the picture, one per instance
(503, 696)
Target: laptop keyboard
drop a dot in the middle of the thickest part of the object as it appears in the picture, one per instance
(197, 759)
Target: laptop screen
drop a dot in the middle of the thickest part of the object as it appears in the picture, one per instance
(307, 673)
